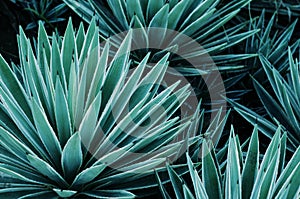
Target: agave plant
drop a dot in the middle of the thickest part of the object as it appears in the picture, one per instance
(201, 20)
(76, 121)
(271, 43)
(284, 110)
(49, 12)
(283, 7)
(247, 175)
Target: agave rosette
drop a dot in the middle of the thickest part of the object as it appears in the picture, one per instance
(287, 8)
(244, 174)
(77, 121)
(284, 107)
(50, 12)
(201, 20)
(271, 44)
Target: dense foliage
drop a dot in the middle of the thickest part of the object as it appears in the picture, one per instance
(243, 175)
(82, 115)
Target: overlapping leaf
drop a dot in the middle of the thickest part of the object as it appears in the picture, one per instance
(79, 122)
(283, 107)
(201, 20)
(250, 179)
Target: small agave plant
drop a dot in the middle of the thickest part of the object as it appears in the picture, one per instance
(286, 8)
(75, 123)
(50, 12)
(284, 107)
(204, 21)
(244, 174)
(272, 46)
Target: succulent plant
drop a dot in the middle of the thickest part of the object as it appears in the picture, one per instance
(271, 43)
(49, 12)
(243, 174)
(115, 111)
(204, 21)
(283, 108)
(77, 121)
(287, 8)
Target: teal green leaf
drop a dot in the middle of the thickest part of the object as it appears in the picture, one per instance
(106, 194)
(14, 85)
(210, 175)
(72, 157)
(69, 49)
(45, 169)
(46, 133)
(251, 165)
(65, 193)
(88, 175)
(176, 182)
(62, 114)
